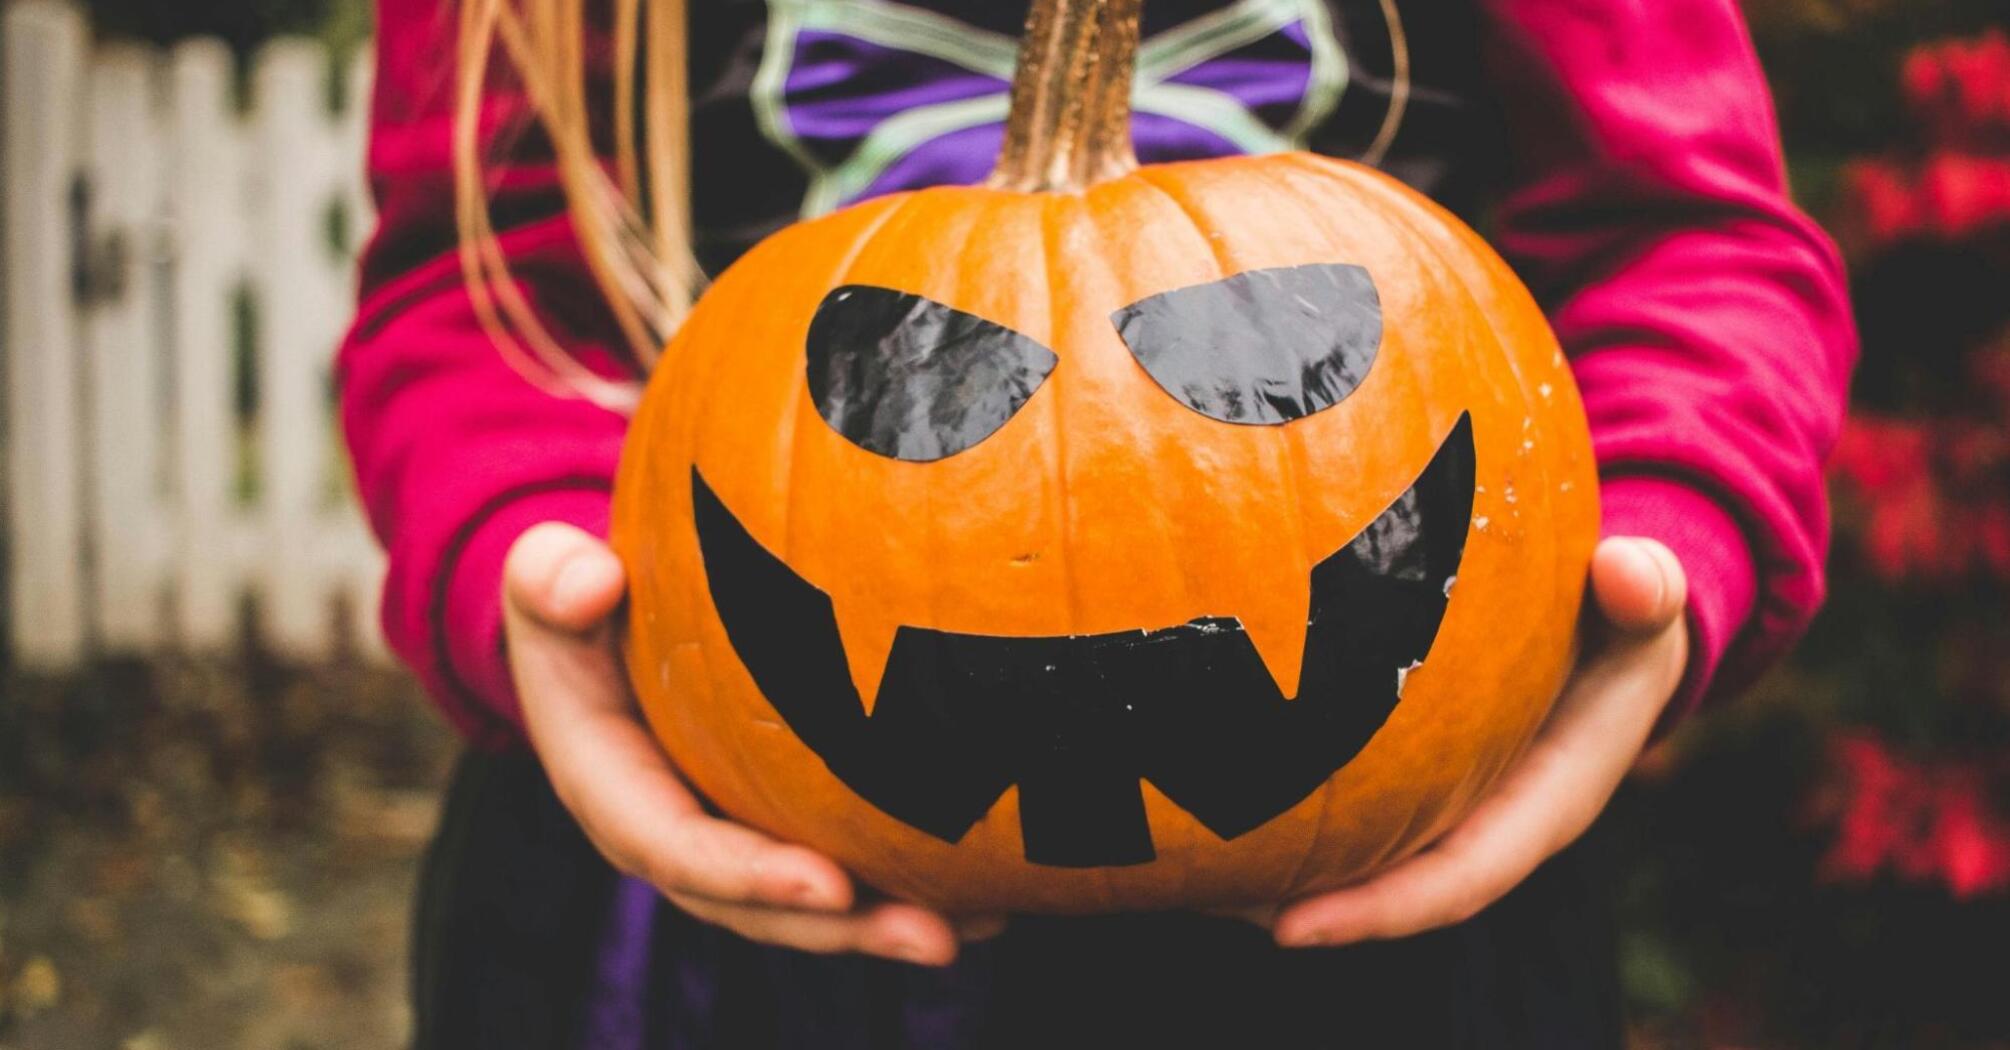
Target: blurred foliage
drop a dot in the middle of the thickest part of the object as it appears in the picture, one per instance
(1832, 63)
(1827, 863)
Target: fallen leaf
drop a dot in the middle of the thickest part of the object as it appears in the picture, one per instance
(38, 986)
(400, 818)
(265, 913)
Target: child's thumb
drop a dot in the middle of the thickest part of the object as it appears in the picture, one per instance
(562, 577)
(1638, 584)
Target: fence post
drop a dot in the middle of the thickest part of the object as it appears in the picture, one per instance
(353, 134)
(297, 319)
(365, 565)
(122, 326)
(43, 82)
(205, 200)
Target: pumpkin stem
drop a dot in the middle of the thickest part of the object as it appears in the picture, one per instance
(1070, 123)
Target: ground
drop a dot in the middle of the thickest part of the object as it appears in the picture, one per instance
(221, 856)
(211, 856)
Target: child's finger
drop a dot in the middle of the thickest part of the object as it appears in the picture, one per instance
(703, 856)
(891, 930)
(623, 792)
(1439, 887)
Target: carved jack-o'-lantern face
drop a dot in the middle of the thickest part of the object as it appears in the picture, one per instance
(1077, 721)
(1211, 533)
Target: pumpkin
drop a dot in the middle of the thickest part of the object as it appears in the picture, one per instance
(1107, 537)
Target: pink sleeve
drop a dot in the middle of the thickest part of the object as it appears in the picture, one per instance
(455, 453)
(1706, 318)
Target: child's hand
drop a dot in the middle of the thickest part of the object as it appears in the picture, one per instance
(560, 588)
(1632, 664)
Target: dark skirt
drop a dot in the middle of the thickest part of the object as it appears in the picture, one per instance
(516, 910)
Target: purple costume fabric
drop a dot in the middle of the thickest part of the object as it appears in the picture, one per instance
(839, 89)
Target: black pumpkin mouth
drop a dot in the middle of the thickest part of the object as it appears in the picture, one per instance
(1077, 722)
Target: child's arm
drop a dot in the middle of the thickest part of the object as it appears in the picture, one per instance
(1706, 318)
(455, 453)
(465, 466)
(1707, 324)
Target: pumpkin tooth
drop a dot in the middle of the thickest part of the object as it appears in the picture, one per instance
(868, 641)
(1277, 627)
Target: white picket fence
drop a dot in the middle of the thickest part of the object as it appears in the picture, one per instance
(146, 218)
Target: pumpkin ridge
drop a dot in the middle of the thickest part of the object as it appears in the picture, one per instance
(1314, 838)
(785, 545)
(1294, 450)
(1462, 281)
(1149, 177)
(1194, 218)
(1056, 420)
(1196, 213)
(1163, 528)
(1561, 594)
(1449, 276)
(1403, 213)
(739, 781)
(984, 213)
(781, 815)
(1406, 842)
(888, 208)
(1280, 442)
(1481, 779)
(1570, 597)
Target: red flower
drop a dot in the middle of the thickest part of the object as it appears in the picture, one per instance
(1950, 195)
(1904, 537)
(1960, 88)
(1960, 193)
(1924, 823)
(1992, 535)
(1969, 847)
(1922, 78)
(1879, 456)
(1875, 203)
(1876, 799)
(1935, 496)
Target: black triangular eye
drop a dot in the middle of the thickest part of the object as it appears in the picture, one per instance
(1263, 346)
(909, 378)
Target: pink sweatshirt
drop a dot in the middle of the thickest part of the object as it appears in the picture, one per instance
(1641, 194)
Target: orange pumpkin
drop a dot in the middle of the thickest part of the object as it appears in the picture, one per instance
(1108, 537)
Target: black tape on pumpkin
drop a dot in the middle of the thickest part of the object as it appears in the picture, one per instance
(1263, 346)
(1078, 721)
(909, 378)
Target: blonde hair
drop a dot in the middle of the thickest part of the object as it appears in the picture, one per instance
(633, 224)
